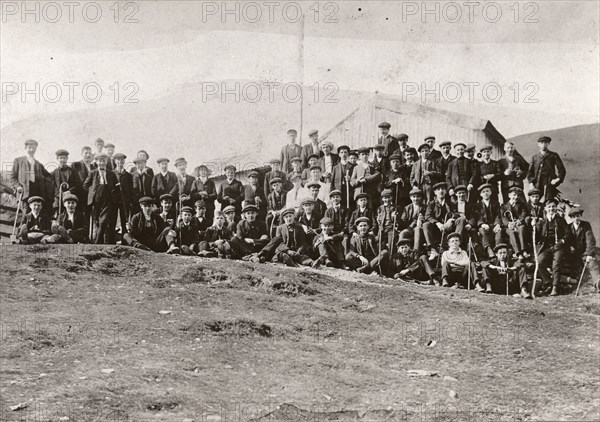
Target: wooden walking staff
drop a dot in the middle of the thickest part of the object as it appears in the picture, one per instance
(537, 262)
(13, 236)
(61, 189)
(581, 278)
(348, 188)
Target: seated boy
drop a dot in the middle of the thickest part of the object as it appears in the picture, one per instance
(200, 218)
(489, 222)
(188, 232)
(148, 229)
(275, 205)
(71, 226)
(412, 219)
(514, 213)
(362, 210)
(309, 219)
(411, 266)
(364, 255)
(35, 226)
(440, 219)
(456, 264)
(167, 212)
(340, 217)
(315, 191)
(251, 234)
(231, 218)
(504, 275)
(289, 246)
(255, 195)
(216, 239)
(583, 247)
(329, 245)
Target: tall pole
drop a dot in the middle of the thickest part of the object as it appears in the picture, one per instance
(301, 61)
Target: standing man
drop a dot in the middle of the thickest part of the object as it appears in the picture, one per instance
(231, 191)
(275, 173)
(584, 246)
(290, 151)
(328, 161)
(64, 174)
(204, 189)
(341, 174)
(125, 184)
(434, 154)
(513, 169)
(462, 172)
(142, 182)
(397, 179)
(99, 144)
(402, 146)
(366, 179)
(489, 170)
(311, 148)
(442, 163)
(83, 169)
(390, 144)
(103, 197)
(423, 173)
(184, 180)
(29, 177)
(546, 169)
(381, 162)
(165, 182)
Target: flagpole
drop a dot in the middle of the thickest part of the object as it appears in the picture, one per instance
(301, 59)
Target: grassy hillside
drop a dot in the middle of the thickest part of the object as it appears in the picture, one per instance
(579, 148)
(113, 333)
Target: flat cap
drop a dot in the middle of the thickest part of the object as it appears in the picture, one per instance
(229, 167)
(312, 156)
(316, 168)
(575, 211)
(445, 143)
(335, 192)
(515, 189)
(460, 188)
(253, 173)
(187, 209)
(228, 209)
(326, 221)
(167, 197)
(62, 152)
(294, 131)
(119, 155)
(341, 147)
(396, 157)
(200, 203)
(484, 186)
(410, 150)
(101, 156)
(288, 211)
(534, 191)
(385, 125)
(363, 150)
(275, 180)
(313, 132)
(429, 137)
(68, 196)
(275, 161)
(402, 136)
(139, 160)
(353, 152)
(295, 177)
(453, 235)
(485, 148)
(250, 207)
(471, 147)
(35, 199)
(545, 139)
(386, 192)
(404, 242)
(326, 144)
(180, 160)
(307, 201)
(160, 160)
(109, 145)
(313, 185)
(378, 146)
(31, 142)
(363, 220)
(295, 159)
(99, 141)
(440, 185)
(425, 145)
(362, 195)
(500, 246)
(460, 143)
(146, 200)
(415, 191)
(551, 201)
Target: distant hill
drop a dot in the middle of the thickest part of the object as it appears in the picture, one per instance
(579, 148)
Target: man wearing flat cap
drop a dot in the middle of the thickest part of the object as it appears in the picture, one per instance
(254, 194)
(513, 169)
(311, 148)
(184, 180)
(109, 149)
(125, 180)
(71, 225)
(546, 170)
(443, 161)
(434, 154)
(251, 234)
(461, 171)
(275, 173)
(275, 204)
(205, 189)
(142, 181)
(583, 247)
(64, 174)
(290, 151)
(327, 161)
(29, 177)
(340, 177)
(390, 144)
(164, 181)
(103, 197)
(423, 172)
(402, 146)
(35, 226)
(489, 169)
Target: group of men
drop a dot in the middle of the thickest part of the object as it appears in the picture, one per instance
(389, 209)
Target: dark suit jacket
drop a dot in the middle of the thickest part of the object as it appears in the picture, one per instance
(139, 229)
(250, 195)
(210, 189)
(543, 169)
(508, 181)
(334, 161)
(369, 251)
(583, 239)
(253, 231)
(410, 215)
(357, 213)
(307, 150)
(390, 143)
(187, 185)
(492, 168)
(471, 173)
(441, 167)
(68, 175)
(287, 153)
(142, 184)
(562, 231)
(93, 181)
(293, 237)
(417, 174)
(435, 154)
(491, 217)
(314, 220)
(519, 212)
(125, 180)
(170, 186)
(372, 179)
(271, 175)
(19, 177)
(189, 234)
(338, 178)
(436, 212)
(235, 191)
(42, 222)
(79, 225)
(213, 233)
(340, 219)
(276, 203)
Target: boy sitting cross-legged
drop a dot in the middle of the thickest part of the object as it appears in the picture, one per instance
(188, 233)
(411, 265)
(365, 256)
(71, 226)
(251, 235)
(289, 246)
(504, 273)
(216, 239)
(35, 227)
(456, 263)
(362, 210)
(329, 245)
(148, 229)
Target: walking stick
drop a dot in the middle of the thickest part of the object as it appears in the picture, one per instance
(581, 278)
(469, 269)
(380, 237)
(537, 263)
(507, 282)
(13, 236)
(92, 223)
(61, 188)
(348, 188)
(393, 238)
(442, 239)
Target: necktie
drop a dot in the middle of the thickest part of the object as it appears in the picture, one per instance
(102, 177)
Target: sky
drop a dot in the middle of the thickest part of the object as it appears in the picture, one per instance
(531, 57)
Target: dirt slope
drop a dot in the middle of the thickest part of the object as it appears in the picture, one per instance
(83, 337)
